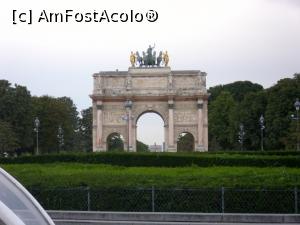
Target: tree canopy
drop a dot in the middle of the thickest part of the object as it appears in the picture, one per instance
(115, 143)
(52, 113)
(185, 142)
(8, 138)
(16, 110)
(243, 103)
(141, 147)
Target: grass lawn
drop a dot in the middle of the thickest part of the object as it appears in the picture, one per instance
(97, 175)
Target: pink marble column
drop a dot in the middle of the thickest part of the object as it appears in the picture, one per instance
(130, 134)
(166, 140)
(171, 124)
(134, 128)
(205, 125)
(99, 124)
(200, 123)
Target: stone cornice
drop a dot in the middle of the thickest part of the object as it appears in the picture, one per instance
(152, 71)
(165, 97)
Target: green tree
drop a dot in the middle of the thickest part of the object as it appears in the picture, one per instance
(281, 98)
(291, 140)
(8, 138)
(222, 127)
(141, 147)
(237, 89)
(248, 113)
(16, 109)
(70, 123)
(115, 142)
(85, 130)
(185, 142)
(52, 113)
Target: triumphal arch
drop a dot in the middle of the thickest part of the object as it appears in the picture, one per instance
(178, 96)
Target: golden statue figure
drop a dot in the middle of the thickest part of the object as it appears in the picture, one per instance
(132, 59)
(166, 58)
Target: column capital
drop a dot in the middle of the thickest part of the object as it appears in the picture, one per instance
(99, 107)
(200, 104)
(171, 104)
(128, 104)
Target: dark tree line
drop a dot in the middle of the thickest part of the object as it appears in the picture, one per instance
(229, 106)
(18, 110)
(243, 102)
(15, 117)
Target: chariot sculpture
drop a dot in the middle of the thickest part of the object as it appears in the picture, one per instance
(149, 58)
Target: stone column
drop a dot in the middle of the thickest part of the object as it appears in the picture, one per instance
(130, 134)
(134, 131)
(171, 146)
(99, 131)
(205, 126)
(129, 117)
(94, 127)
(200, 121)
(166, 138)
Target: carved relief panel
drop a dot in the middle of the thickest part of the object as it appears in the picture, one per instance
(114, 82)
(185, 82)
(113, 118)
(113, 113)
(185, 117)
(185, 112)
(149, 82)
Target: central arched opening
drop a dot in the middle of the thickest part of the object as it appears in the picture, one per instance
(150, 133)
(115, 142)
(185, 142)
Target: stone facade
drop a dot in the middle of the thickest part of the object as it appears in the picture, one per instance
(179, 97)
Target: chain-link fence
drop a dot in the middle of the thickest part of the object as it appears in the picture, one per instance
(222, 200)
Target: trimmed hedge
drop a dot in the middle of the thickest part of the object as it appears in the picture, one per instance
(291, 159)
(278, 153)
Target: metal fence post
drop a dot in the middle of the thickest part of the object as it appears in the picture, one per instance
(88, 199)
(296, 199)
(153, 199)
(222, 199)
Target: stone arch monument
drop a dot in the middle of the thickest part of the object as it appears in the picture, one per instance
(121, 97)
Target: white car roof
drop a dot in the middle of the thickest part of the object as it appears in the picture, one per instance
(16, 200)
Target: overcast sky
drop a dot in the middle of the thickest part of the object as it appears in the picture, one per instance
(256, 40)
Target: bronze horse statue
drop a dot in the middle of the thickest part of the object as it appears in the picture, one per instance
(139, 59)
(148, 58)
(159, 59)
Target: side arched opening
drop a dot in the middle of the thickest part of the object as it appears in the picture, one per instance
(185, 142)
(115, 142)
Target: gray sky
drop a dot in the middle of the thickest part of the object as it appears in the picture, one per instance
(256, 40)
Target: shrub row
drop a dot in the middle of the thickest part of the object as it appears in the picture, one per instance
(278, 153)
(163, 159)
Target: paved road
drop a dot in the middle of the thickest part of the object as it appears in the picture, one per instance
(144, 218)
